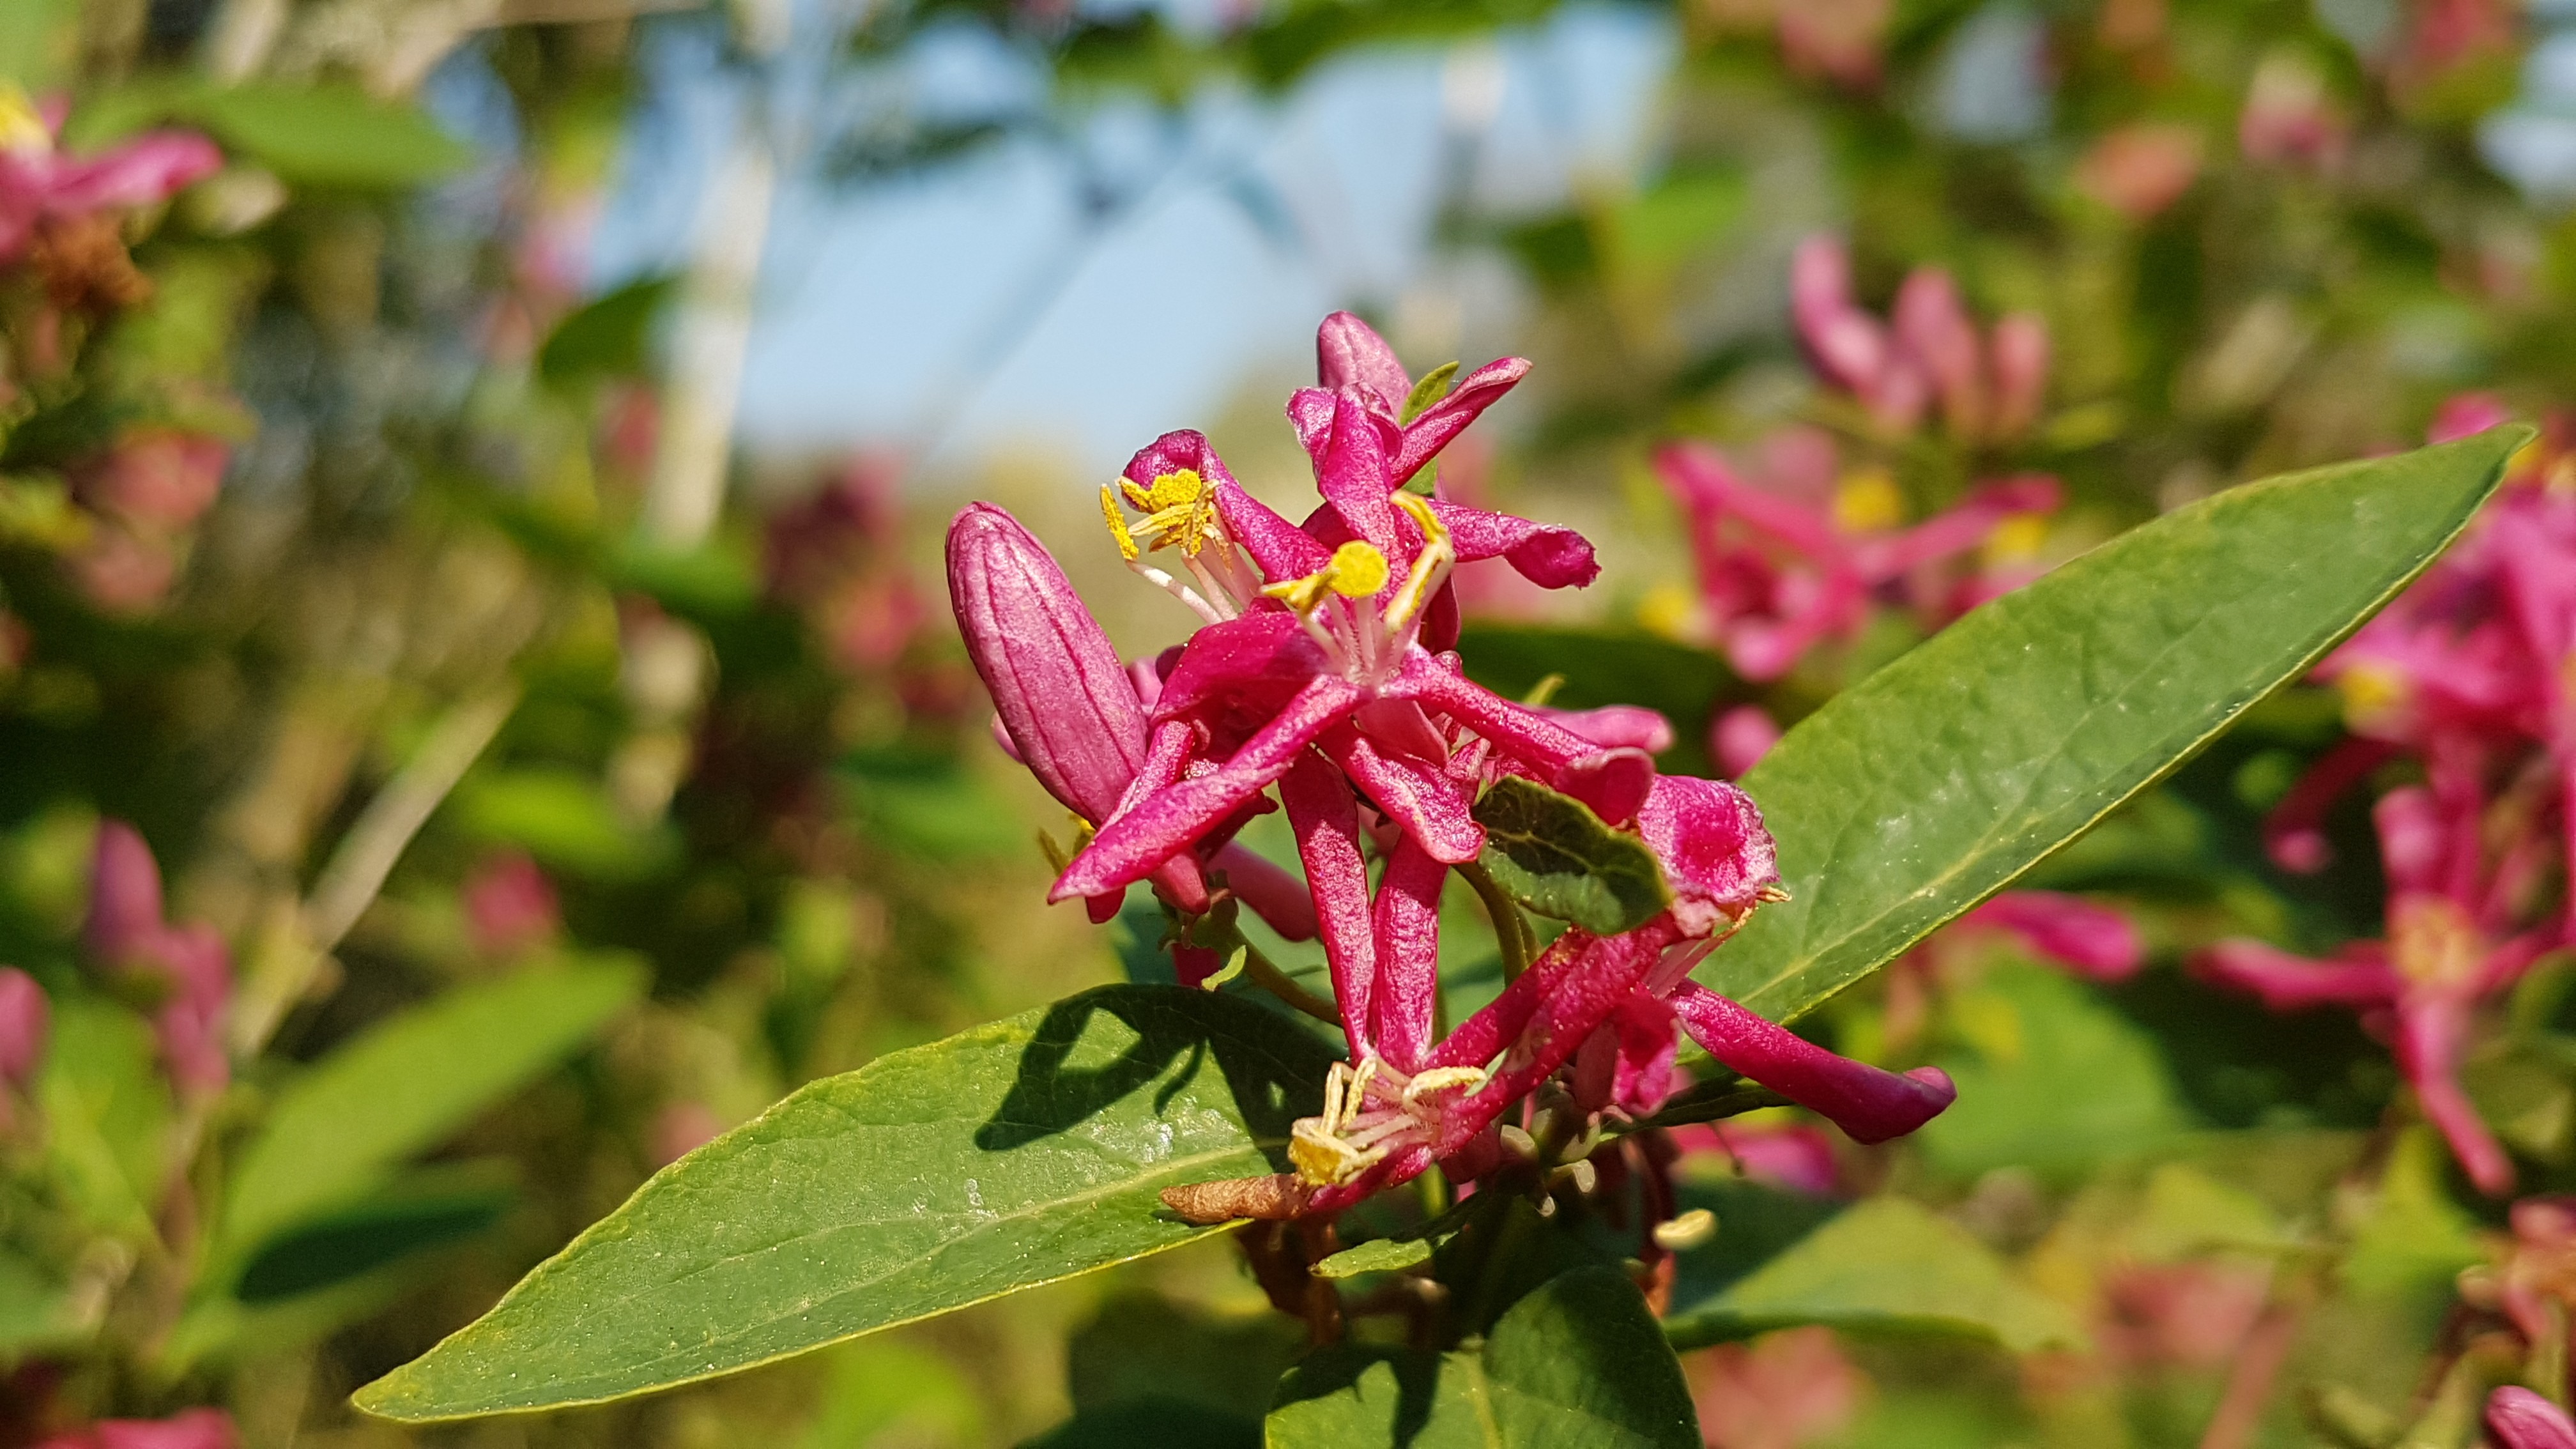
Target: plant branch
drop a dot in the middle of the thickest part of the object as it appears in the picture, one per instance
(1511, 931)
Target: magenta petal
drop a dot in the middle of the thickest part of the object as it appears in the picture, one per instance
(1739, 738)
(1616, 726)
(2521, 1419)
(1278, 898)
(1545, 554)
(124, 896)
(1644, 1025)
(2412, 847)
(1869, 1104)
(2290, 983)
(2430, 1035)
(1548, 1013)
(1349, 353)
(1351, 472)
(1059, 688)
(2294, 834)
(1327, 822)
(1444, 420)
(1431, 807)
(1263, 658)
(1165, 823)
(1716, 853)
(150, 168)
(1516, 730)
(2097, 941)
(1407, 919)
(1613, 782)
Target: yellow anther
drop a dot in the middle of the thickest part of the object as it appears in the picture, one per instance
(2017, 538)
(1867, 501)
(1322, 1158)
(2431, 940)
(1117, 521)
(2370, 691)
(1179, 509)
(1358, 570)
(1430, 566)
(1442, 1079)
(22, 129)
(1176, 488)
(1418, 508)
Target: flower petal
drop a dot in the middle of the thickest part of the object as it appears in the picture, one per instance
(1444, 420)
(1326, 820)
(1349, 353)
(1547, 555)
(1869, 1104)
(2290, 983)
(1276, 545)
(2095, 940)
(1407, 919)
(2521, 1419)
(1432, 808)
(1616, 726)
(1277, 897)
(1716, 853)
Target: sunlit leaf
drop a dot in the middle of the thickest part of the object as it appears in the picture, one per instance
(1932, 783)
(1014, 1154)
(107, 1115)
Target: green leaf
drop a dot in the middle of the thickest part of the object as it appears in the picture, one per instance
(1378, 1255)
(107, 1115)
(363, 1236)
(1577, 1364)
(604, 337)
(1014, 1154)
(1934, 782)
(1431, 389)
(563, 818)
(1162, 1423)
(1887, 1263)
(331, 135)
(2058, 1081)
(34, 1310)
(406, 1085)
(1557, 858)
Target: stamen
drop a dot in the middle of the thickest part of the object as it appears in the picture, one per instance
(1118, 521)
(1430, 567)
(1442, 1079)
(1356, 571)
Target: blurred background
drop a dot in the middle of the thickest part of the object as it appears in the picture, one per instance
(479, 714)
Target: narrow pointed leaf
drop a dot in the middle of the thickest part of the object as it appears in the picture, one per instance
(1934, 782)
(1577, 1364)
(1015, 1154)
(1557, 858)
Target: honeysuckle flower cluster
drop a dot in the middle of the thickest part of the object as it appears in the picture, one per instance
(1322, 669)
(186, 968)
(2467, 678)
(1927, 354)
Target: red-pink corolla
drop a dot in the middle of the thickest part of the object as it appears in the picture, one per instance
(41, 183)
(1780, 577)
(125, 934)
(1989, 389)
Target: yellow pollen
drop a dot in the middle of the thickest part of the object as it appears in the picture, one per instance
(1868, 502)
(22, 130)
(1441, 1079)
(2016, 538)
(2370, 691)
(1117, 522)
(1357, 570)
(1176, 488)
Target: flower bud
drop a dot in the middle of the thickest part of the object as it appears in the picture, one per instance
(2521, 1419)
(24, 1016)
(1869, 1104)
(1058, 686)
(124, 895)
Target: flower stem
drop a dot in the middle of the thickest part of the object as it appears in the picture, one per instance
(1511, 932)
(1261, 972)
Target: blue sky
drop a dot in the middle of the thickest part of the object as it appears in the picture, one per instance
(1251, 218)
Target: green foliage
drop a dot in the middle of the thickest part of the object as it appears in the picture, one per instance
(1887, 1264)
(109, 1116)
(605, 337)
(1014, 1154)
(1577, 1364)
(405, 1086)
(1556, 857)
(1934, 782)
(2053, 1080)
(320, 135)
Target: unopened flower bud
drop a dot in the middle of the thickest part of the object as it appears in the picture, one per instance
(24, 1017)
(1062, 695)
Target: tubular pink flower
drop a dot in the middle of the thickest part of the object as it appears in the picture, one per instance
(1869, 1104)
(1615, 726)
(1351, 357)
(1326, 820)
(39, 181)
(192, 1429)
(25, 1017)
(1989, 390)
(1740, 737)
(126, 934)
(2095, 941)
(2521, 1419)
(1780, 578)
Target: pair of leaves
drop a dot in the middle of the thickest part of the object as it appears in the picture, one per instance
(1032, 1149)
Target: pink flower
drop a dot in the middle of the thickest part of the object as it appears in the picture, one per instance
(40, 182)
(2450, 945)
(24, 1017)
(2521, 1419)
(1783, 1390)
(1780, 577)
(159, 479)
(1929, 352)
(2289, 117)
(194, 1429)
(1791, 1155)
(510, 906)
(2139, 170)
(1740, 737)
(126, 935)
(2094, 941)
